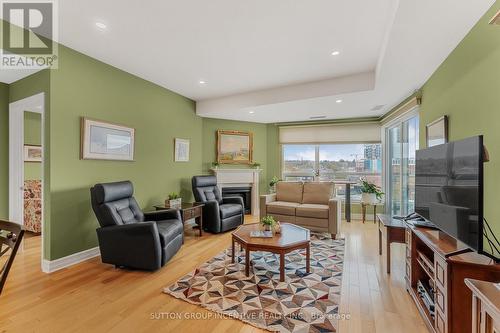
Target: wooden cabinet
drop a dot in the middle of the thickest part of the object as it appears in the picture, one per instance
(443, 263)
(485, 306)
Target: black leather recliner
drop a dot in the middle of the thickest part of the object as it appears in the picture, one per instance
(127, 236)
(219, 214)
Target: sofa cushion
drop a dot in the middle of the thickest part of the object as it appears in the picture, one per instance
(289, 191)
(317, 193)
(228, 210)
(282, 207)
(312, 210)
(168, 230)
(310, 223)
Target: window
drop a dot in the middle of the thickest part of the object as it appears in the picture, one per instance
(330, 162)
(402, 143)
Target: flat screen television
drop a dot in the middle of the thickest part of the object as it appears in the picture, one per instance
(449, 189)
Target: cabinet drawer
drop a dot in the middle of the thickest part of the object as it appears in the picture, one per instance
(197, 212)
(187, 214)
(440, 271)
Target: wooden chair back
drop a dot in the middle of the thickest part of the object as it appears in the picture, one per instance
(11, 235)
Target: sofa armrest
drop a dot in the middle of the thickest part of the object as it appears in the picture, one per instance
(134, 245)
(264, 200)
(334, 215)
(164, 214)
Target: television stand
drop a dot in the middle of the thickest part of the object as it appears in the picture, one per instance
(443, 263)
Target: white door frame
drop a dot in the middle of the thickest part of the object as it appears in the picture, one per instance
(35, 103)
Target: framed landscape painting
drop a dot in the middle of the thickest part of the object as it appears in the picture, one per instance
(234, 147)
(105, 141)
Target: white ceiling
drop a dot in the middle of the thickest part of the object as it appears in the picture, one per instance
(273, 57)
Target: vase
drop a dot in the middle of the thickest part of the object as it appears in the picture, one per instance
(369, 198)
(174, 203)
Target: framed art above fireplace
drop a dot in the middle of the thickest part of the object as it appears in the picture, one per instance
(234, 147)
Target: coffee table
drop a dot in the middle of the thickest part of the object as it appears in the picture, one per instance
(292, 237)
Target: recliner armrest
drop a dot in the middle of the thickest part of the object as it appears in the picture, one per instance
(160, 215)
(134, 245)
(234, 200)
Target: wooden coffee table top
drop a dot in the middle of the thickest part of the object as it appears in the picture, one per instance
(291, 236)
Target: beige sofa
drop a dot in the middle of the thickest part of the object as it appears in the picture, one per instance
(307, 204)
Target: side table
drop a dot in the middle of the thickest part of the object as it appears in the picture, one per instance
(188, 210)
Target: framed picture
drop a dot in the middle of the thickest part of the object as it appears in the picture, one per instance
(181, 150)
(234, 147)
(32, 153)
(437, 132)
(105, 141)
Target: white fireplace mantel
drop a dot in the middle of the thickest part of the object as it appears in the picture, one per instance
(234, 177)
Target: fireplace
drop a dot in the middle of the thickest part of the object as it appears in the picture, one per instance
(243, 192)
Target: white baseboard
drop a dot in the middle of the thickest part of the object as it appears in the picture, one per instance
(50, 266)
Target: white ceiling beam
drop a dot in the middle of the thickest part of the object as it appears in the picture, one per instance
(330, 87)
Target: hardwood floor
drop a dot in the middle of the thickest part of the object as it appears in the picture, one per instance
(94, 297)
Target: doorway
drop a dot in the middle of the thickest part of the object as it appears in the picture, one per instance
(26, 165)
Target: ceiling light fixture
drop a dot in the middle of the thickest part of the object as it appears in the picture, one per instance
(338, 101)
(317, 117)
(251, 112)
(202, 82)
(335, 53)
(101, 25)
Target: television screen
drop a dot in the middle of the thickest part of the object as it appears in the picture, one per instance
(449, 189)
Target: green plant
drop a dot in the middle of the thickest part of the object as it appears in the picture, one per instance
(274, 181)
(268, 220)
(256, 165)
(173, 196)
(215, 164)
(367, 187)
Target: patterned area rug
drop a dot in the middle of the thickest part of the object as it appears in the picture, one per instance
(303, 303)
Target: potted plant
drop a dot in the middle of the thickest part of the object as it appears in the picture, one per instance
(268, 223)
(272, 184)
(174, 200)
(371, 193)
(256, 165)
(215, 165)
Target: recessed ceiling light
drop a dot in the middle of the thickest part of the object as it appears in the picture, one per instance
(335, 53)
(251, 112)
(202, 82)
(101, 25)
(338, 101)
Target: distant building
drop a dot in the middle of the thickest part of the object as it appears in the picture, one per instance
(373, 152)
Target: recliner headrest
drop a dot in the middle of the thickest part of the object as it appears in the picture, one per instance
(112, 191)
(203, 181)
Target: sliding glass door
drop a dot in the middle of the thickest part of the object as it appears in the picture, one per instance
(401, 145)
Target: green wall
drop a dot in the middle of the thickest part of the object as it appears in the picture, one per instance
(260, 145)
(32, 136)
(4, 151)
(83, 86)
(466, 87)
